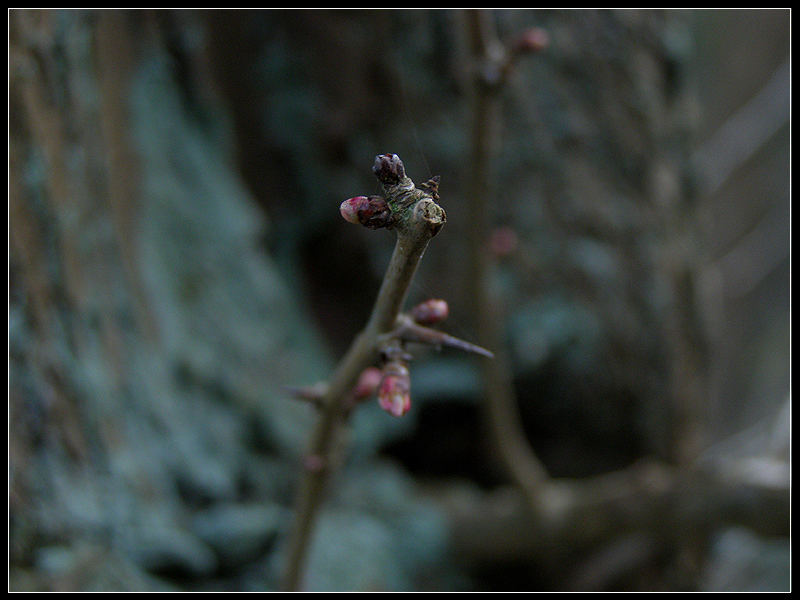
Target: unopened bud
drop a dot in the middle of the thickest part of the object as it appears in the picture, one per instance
(351, 207)
(503, 241)
(394, 393)
(314, 463)
(430, 312)
(369, 211)
(534, 39)
(388, 168)
(368, 383)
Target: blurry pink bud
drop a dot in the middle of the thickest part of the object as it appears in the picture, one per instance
(368, 383)
(503, 241)
(534, 39)
(430, 312)
(314, 463)
(394, 392)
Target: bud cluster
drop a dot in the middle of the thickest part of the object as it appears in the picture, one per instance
(394, 392)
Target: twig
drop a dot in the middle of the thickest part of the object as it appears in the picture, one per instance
(492, 64)
(416, 217)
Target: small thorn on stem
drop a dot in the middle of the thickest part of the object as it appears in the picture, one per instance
(409, 331)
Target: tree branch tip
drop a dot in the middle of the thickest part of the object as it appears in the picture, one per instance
(388, 168)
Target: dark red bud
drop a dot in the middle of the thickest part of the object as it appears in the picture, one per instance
(388, 168)
(503, 241)
(430, 312)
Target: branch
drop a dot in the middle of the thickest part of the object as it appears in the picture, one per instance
(416, 217)
(743, 134)
(492, 63)
(649, 497)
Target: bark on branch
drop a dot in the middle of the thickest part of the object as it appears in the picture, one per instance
(653, 498)
(416, 217)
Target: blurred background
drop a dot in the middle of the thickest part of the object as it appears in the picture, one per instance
(177, 259)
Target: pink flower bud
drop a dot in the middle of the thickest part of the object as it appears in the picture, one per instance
(351, 207)
(314, 463)
(534, 39)
(430, 312)
(369, 211)
(394, 392)
(503, 241)
(368, 383)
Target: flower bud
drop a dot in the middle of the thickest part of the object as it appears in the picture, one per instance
(369, 211)
(503, 241)
(430, 312)
(368, 383)
(388, 168)
(534, 39)
(351, 207)
(394, 392)
(314, 463)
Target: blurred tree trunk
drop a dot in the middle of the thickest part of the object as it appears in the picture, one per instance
(73, 212)
(148, 331)
(73, 172)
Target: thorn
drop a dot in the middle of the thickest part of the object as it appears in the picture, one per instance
(454, 342)
(413, 332)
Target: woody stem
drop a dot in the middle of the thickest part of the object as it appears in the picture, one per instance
(417, 223)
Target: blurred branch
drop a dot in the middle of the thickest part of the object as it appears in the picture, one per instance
(415, 215)
(740, 137)
(671, 504)
(491, 63)
(756, 254)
